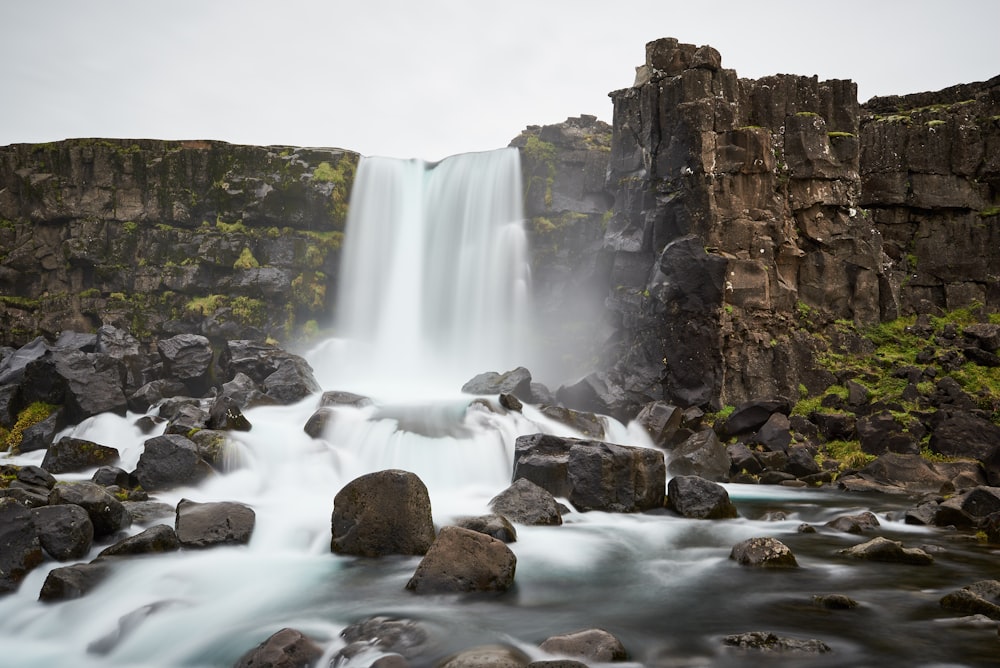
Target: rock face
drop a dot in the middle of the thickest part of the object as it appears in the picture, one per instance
(387, 512)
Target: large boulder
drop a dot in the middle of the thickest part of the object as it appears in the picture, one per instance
(516, 382)
(595, 645)
(187, 358)
(68, 455)
(525, 502)
(168, 461)
(69, 582)
(462, 560)
(20, 549)
(661, 421)
(107, 513)
(286, 648)
(386, 512)
(210, 524)
(882, 433)
(154, 540)
(85, 384)
(593, 475)
(964, 434)
(65, 531)
(697, 498)
(969, 508)
(291, 381)
(752, 415)
(701, 454)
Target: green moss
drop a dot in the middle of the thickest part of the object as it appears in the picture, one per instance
(934, 123)
(248, 311)
(130, 227)
(230, 228)
(838, 135)
(90, 293)
(205, 306)
(246, 260)
(990, 212)
(30, 416)
(807, 114)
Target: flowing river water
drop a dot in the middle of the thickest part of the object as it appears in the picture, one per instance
(662, 584)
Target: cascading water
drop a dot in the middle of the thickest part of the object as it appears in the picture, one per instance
(420, 315)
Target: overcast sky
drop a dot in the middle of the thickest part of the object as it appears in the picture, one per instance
(430, 78)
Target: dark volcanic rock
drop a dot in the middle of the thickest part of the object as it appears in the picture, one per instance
(291, 382)
(588, 424)
(75, 454)
(210, 524)
(168, 461)
(661, 421)
(763, 553)
(769, 642)
(698, 498)
(69, 582)
(978, 598)
(596, 645)
(882, 433)
(701, 454)
(84, 384)
(65, 531)
(593, 475)
(287, 648)
(962, 434)
(516, 382)
(187, 358)
(20, 549)
(462, 560)
(154, 540)
(387, 512)
(107, 513)
(752, 415)
(525, 502)
(854, 523)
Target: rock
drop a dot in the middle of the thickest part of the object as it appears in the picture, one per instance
(592, 394)
(525, 502)
(763, 553)
(187, 358)
(287, 648)
(984, 335)
(978, 598)
(495, 526)
(587, 424)
(387, 512)
(516, 382)
(769, 642)
(882, 433)
(487, 656)
(76, 454)
(318, 421)
(593, 475)
(186, 417)
(225, 414)
(461, 560)
(107, 513)
(697, 498)
(169, 461)
(883, 549)
(244, 391)
(510, 402)
(854, 523)
(154, 392)
(402, 636)
(661, 421)
(742, 460)
(200, 525)
(39, 436)
(115, 342)
(835, 602)
(752, 415)
(968, 509)
(774, 435)
(155, 540)
(65, 531)
(910, 472)
(20, 549)
(341, 398)
(36, 477)
(84, 384)
(835, 426)
(108, 476)
(703, 455)
(801, 462)
(962, 434)
(69, 582)
(595, 645)
(146, 512)
(291, 382)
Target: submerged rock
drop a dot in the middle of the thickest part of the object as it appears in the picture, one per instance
(883, 549)
(386, 512)
(854, 523)
(697, 498)
(211, 524)
(462, 560)
(491, 656)
(763, 553)
(595, 645)
(769, 642)
(982, 598)
(287, 648)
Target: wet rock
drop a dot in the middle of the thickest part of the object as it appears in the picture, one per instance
(883, 549)
(169, 461)
(492, 656)
(145, 512)
(341, 398)
(318, 421)
(187, 358)
(287, 648)
(36, 476)
(775, 434)
(835, 602)
(763, 553)
(107, 476)
(127, 624)
(969, 508)
(40, 435)
(20, 549)
(661, 421)
(769, 642)
(510, 402)
(84, 384)
(155, 391)
(461, 560)
(65, 531)
(201, 525)
(244, 391)
(76, 454)
(154, 540)
(697, 498)
(702, 454)
(588, 424)
(595, 645)
(186, 417)
(593, 475)
(592, 394)
(225, 414)
(525, 502)
(69, 582)
(978, 598)
(107, 513)
(387, 512)
(496, 526)
(752, 415)
(291, 382)
(516, 382)
(854, 523)
(401, 636)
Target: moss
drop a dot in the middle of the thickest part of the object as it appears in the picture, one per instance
(205, 306)
(807, 114)
(309, 290)
(130, 227)
(838, 135)
(246, 260)
(230, 228)
(933, 123)
(248, 311)
(28, 417)
(990, 212)
(89, 293)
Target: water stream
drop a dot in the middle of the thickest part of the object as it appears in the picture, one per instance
(429, 321)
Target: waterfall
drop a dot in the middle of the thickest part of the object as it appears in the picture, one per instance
(434, 281)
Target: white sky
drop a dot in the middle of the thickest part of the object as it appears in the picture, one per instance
(430, 78)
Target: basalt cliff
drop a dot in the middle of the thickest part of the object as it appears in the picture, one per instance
(704, 249)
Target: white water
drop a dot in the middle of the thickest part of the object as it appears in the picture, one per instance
(662, 584)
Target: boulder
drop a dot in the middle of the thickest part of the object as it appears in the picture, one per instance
(881, 433)
(155, 391)
(39, 436)
(202, 525)
(107, 476)
(115, 342)
(702, 454)
(969, 508)
(186, 417)
(401, 636)
(661, 421)
(763, 553)
(495, 526)
(593, 475)
(187, 358)
(20, 548)
(801, 462)
(318, 421)
(911, 472)
(386, 512)
(516, 382)
(107, 513)
(883, 549)
(154, 540)
(36, 476)
(697, 498)
(65, 531)
(978, 598)
(341, 398)
(596, 645)
(84, 384)
(291, 382)
(69, 455)
(774, 435)
(984, 335)
(69, 582)
(854, 523)
(487, 656)
(225, 414)
(587, 424)
(742, 460)
(752, 415)
(286, 648)
(525, 502)
(169, 461)
(244, 391)
(766, 641)
(462, 560)
(963, 434)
